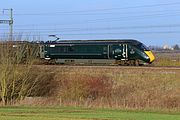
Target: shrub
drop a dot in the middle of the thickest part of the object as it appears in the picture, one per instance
(84, 86)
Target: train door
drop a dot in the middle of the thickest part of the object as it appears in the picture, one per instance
(125, 52)
(119, 52)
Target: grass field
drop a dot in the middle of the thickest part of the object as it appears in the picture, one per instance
(70, 113)
(167, 58)
(113, 87)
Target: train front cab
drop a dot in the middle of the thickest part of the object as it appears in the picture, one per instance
(148, 55)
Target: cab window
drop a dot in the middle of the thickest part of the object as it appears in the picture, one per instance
(142, 47)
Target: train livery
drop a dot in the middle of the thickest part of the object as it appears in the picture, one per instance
(121, 52)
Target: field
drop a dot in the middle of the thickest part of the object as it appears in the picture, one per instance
(108, 86)
(167, 58)
(92, 92)
(70, 113)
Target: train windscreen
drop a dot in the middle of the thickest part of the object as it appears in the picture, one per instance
(143, 47)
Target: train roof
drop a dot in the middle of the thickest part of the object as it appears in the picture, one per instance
(108, 41)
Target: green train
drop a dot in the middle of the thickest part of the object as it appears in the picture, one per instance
(121, 52)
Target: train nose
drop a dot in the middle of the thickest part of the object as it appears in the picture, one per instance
(150, 55)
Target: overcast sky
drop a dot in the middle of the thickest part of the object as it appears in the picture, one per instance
(153, 22)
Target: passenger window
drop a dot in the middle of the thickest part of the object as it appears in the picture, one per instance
(64, 49)
(70, 49)
(118, 50)
(104, 48)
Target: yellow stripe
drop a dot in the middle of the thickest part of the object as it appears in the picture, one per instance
(150, 55)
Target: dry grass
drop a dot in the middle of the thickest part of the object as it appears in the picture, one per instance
(126, 87)
(167, 59)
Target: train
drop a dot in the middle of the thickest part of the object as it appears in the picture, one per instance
(119, 52)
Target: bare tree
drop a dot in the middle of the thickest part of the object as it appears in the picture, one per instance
(16, 60)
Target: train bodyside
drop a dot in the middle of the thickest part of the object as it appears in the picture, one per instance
(109, 51)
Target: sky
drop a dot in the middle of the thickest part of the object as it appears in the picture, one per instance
(153, 22)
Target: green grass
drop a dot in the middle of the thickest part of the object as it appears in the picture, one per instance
(70, 113)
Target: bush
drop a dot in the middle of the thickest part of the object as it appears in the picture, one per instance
(84, 86)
